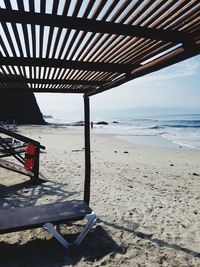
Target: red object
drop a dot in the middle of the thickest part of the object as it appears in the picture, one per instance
(29, 157)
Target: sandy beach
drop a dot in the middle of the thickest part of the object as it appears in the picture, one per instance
(146, 199)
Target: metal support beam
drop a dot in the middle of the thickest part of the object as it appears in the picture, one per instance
(87, 150)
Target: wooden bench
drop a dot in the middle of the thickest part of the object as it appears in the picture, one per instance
(17, 219)
(46, 216)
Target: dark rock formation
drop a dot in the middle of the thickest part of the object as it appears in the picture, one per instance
(15, 105)
(21, 107)
(102, 123)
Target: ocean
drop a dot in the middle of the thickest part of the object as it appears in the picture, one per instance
(172, 130)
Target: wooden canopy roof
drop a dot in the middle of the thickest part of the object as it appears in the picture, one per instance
(89, 46)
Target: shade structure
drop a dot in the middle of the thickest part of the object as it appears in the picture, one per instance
(89, 46)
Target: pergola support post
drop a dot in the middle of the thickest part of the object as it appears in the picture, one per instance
(87, 149)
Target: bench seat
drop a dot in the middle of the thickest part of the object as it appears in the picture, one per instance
(17, 219)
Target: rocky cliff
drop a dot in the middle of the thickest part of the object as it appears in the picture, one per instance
(21, 107)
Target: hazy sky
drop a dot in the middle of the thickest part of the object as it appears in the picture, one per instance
(175, 86)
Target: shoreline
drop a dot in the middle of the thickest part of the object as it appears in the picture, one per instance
(181, 129)
(153, 141)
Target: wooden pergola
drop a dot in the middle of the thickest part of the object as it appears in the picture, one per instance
(90, 46)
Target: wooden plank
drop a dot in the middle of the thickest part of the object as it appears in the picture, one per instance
(71, 48)
(93, 39)
(20, 5)
(102, 38)
(149, 52)
(9, 38)
(4, 47)
(131, 11)
(134, 56)
(151, 11)
(140, 11)
(17, 219)
(184, 20)
(49, 90)
(164, 18)
(91, 25)
(83, 35)
(118, 11)
(178, 12)
(164, 61)
(131, 48)
(21, 137)
(9, 148)
(14, 167)
(49, 81)
(57, 63)
(112, 42)
(157, 15)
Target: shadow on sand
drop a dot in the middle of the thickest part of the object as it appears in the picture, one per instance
(150, 238)
(37, 252)
(26, 193)
(40, 249)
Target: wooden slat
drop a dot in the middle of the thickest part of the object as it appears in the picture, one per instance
(96, 66)
(159, 14)
(131, 11)
(162, 62)
(20, 137)
(108, 49)
(88, 45)
(47, 90)
(115, 46)
(8, 36)
(48, 81)
(101, 37)
(143, 48)
(4, 46)
(88, 50)
(179, 11)
(92, 25)
(14, 167)
(139, 12)
(151, 11)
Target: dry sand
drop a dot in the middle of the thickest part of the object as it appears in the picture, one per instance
(147, 201)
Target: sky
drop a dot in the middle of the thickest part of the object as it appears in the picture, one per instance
(177, 86)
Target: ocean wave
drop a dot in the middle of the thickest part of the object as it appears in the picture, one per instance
(185, 121)
(183, 130)
(155, 127)
(181, 126)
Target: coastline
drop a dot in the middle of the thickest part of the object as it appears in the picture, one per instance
(146, 199)
(153, 141)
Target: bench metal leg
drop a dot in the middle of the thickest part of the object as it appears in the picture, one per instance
(91, 218)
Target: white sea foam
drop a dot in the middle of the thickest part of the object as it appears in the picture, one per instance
(183, 130)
